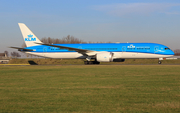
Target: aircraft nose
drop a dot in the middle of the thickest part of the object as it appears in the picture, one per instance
(172, 53)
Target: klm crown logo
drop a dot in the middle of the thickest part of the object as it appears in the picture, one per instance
(30, 38)
(131, 46)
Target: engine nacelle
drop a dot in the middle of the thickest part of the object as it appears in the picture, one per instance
(104, 57)
(118, 60)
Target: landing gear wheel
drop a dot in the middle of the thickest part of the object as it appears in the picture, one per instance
(86, 62)
(91, 62)
(95, 62)
(159, 62)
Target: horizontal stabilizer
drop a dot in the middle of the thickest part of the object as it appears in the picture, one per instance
(21, 49)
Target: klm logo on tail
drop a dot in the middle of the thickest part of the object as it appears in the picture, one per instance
(30, 38)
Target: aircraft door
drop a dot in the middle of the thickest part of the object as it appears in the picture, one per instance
(156, 48)
(124, 49)
(45, 49)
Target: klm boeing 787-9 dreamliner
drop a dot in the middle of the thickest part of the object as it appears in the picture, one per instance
(100, 52)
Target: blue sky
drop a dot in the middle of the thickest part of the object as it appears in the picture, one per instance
(156, 21)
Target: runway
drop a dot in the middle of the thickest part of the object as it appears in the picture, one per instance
(77, 64)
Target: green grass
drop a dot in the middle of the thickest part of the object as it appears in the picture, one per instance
(99, 88)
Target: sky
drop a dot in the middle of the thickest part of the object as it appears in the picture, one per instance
(155, 21)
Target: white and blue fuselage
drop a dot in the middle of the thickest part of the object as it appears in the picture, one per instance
(120, 50)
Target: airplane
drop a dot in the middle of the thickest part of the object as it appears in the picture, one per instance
(98, 52)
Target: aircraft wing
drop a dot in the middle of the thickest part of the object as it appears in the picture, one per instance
(82, 51)
(21, 49)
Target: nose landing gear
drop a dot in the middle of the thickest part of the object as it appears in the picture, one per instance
(160, 59)
(159, 62)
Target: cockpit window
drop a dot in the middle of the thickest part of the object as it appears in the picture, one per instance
(167, 48)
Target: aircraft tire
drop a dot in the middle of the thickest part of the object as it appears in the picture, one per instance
(91, 62)
(95, 62)
(86, 62)
(159, 62)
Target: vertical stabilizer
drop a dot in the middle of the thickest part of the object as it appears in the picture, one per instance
(28, 35)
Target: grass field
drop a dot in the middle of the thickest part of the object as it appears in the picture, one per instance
(99, 88)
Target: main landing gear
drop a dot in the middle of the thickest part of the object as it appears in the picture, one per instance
(88, 61)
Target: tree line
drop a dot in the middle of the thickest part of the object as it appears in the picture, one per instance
(177, 52)
(65, 40)
(13, 54)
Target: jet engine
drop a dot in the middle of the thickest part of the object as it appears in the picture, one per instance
(104, 57)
